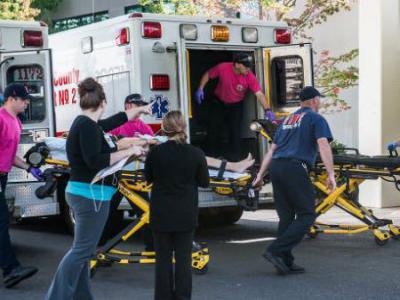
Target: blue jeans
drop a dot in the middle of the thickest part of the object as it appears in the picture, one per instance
(8, 261)
(72, 278)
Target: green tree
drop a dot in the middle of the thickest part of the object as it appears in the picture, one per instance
(17, 10)
(46, 8)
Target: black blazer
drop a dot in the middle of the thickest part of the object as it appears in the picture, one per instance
(176, 170)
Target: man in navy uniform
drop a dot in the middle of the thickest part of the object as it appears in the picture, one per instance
(289, 159)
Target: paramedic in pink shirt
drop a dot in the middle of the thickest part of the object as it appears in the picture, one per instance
(234, 80)
(134, 127)
(16, 100)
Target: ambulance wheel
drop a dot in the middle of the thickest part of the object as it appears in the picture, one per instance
(230, 215)
(201, 271)
(381, 242)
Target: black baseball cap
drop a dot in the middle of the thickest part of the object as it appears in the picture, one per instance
(309, 92)
(243, 58)
(17, 90)
(137, 99)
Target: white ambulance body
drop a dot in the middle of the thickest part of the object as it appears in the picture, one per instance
(25, 58)
(163, 58)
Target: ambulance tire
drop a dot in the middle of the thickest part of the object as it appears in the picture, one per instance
(231, 215)
(217, 216)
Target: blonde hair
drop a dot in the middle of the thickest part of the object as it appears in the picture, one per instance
(174, 126)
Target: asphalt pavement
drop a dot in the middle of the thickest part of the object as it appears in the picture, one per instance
(338, 267)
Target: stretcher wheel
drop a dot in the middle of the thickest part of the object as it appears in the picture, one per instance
(380, 242)
(202, 271)
(312, 233)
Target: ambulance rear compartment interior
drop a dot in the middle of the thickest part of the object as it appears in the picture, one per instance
(200, 61)
(286, 82)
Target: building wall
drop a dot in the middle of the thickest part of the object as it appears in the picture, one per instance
(379, 90)
(69, 8)
(339, 35)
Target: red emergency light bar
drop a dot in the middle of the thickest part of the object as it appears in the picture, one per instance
(32, 38)
(151, 30)
(159, 82)
(123, 37)
(283, 36)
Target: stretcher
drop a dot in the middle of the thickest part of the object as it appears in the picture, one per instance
(131, 184)
(351, 170)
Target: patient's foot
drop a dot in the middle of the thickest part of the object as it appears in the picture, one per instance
(242, 165)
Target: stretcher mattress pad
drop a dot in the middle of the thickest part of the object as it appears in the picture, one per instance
(367, 161)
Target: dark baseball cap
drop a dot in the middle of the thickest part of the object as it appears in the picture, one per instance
(309, 92)
(137, 99)
(17, 90)
(243, 58)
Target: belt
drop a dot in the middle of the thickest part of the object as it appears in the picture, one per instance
(295, 160)
(3, 174)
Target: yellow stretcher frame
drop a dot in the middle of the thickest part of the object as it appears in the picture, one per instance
(383, 229)
(130, 184)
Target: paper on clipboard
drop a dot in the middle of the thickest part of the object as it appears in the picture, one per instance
(128, 163)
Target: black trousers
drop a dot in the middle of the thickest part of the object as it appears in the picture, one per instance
(173, 283)
(8, 260)
(294, 197)
(232, 115)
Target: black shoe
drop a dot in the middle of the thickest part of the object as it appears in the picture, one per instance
(278, 263)
(18, 274)
(295, 269)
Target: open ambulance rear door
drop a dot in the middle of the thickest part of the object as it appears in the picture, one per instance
(32, 68)
(287, 69)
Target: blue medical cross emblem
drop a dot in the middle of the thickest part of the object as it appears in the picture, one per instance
(160, 107)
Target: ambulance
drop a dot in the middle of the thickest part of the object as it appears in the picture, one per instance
(162, 57)
(25, 58)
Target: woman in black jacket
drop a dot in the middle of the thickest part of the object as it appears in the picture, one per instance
(176, 169)
(89, 150)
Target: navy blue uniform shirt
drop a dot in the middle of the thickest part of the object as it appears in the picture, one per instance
(297, 136)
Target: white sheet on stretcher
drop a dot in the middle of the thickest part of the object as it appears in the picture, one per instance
(57, 148)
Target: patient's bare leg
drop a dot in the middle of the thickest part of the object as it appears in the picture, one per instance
(238, 167)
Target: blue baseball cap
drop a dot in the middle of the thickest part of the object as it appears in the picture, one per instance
(17, 90)
(309, 92)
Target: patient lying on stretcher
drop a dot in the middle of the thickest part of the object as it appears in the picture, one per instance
(57, 151)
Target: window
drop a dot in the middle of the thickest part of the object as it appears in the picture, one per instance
(32, 77)
(137, 8)
(73, 22)
(287, 80)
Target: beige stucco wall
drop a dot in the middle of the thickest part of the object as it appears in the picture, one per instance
(379, 123)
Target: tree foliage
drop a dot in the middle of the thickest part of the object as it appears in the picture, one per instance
(17, 10)
(46, 8)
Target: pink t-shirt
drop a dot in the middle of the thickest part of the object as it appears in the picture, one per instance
(10, 134)
(133, 128)
(232, 87)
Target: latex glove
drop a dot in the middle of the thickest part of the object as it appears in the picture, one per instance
(269, 115)
(199, 96)
(392, 146)
(36, 172)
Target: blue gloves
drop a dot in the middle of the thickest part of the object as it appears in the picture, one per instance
(199, 96)
(392, 146)
(36, 172)
(269, 115)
